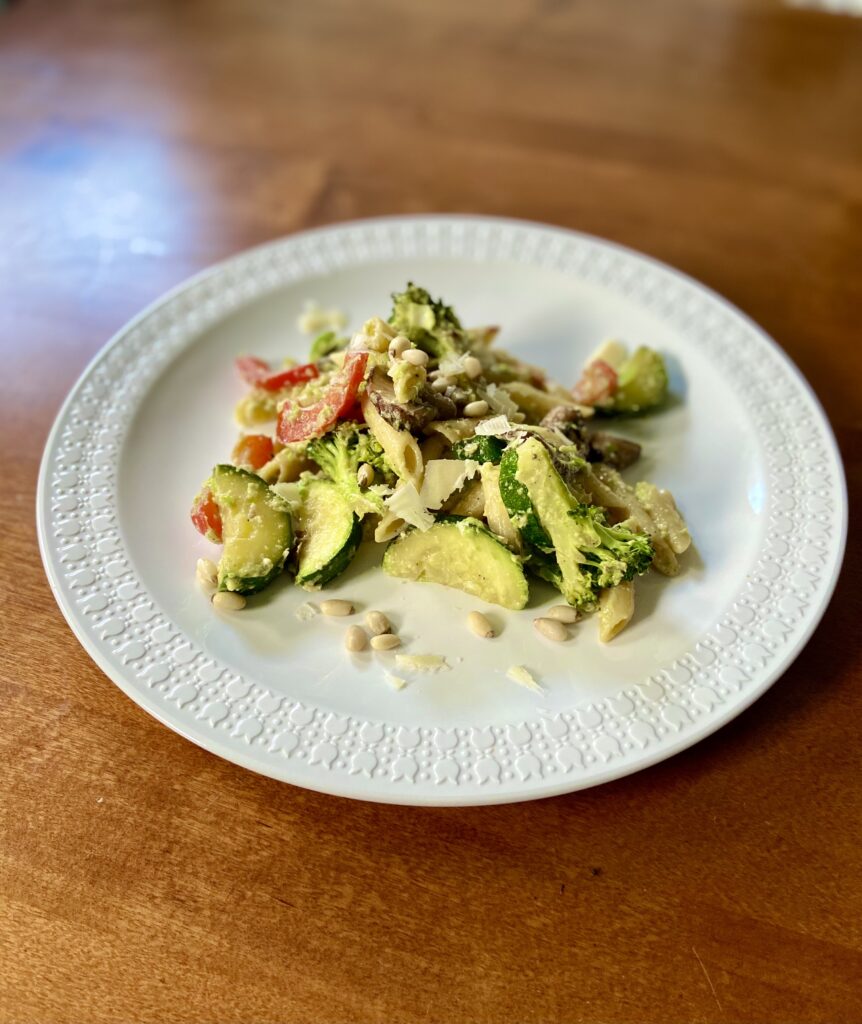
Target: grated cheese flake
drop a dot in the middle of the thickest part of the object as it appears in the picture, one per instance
(500, 400)
(494, 426)
(396, 682)
(612, 352)
(452, 365)
(523, 677)
(422, 662)
(443, 477)
(406, 504)
(306, 612)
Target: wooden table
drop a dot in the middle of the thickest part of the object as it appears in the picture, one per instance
(142, 879)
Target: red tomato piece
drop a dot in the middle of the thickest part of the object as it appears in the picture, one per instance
(259, 374)
(206, 515)
(598, 383)
(253, 450)
(296, 423)
(252, 369)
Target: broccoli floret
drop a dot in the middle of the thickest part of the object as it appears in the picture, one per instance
(641, 383)
(429, 324)
(612, 554)
(340, 453)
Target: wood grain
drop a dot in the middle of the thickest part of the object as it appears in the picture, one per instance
(144, 880)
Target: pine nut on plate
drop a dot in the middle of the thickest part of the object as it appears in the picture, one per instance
(551, 629)
(563, 613)
(385, 642)
(335, 606)
(377, 623)
(228, 601)
(355, 639)
(479, 624)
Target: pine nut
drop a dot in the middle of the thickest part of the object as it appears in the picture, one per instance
(480, 625)
(517, 417)
(441, 383)
(415, 356)
(473, 409)
(377, 623)
(552, 629)
(336, 607)
(472, 367)
(207, 573)
(563, 613)
(398, 345)
(385, 642)
(228, 601)
(365, 475)
(355, 639)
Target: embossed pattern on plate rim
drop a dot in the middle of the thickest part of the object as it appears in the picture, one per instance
(134, 642)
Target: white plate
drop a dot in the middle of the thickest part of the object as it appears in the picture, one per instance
(746, 450)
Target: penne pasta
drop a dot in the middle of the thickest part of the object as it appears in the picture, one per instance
(470, 501)
(452, 430)
(400, 447)
(662, 508)
(286, 466)
(607, 488)
(494, 510)
(616, 608)
(388, 528)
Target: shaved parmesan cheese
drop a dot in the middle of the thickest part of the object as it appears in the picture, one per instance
(406, 504)
(495, 426)
(452, 366)
(396, 682)
(422, 662)
(443, 477)
(611, 352)
(523, 677)
(501, 401)
(306, 612)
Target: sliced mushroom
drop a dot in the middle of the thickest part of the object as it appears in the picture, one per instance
(614, 451)
(570, 423)
(412, 416)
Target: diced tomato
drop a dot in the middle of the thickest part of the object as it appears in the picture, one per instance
(253, 450)
(206, 515)
(252, 369)
(598, 383)
(354, 413)
(259, 373)
(296, 423)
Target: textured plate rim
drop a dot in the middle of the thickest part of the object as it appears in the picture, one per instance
(348, 786)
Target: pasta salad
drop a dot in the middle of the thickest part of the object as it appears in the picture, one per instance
(474, 468)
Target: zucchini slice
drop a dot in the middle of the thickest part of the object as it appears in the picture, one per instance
(331, 534)
(481, 448)
(256, 530)
(549, 503)
(460, 553)
(516, 498)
